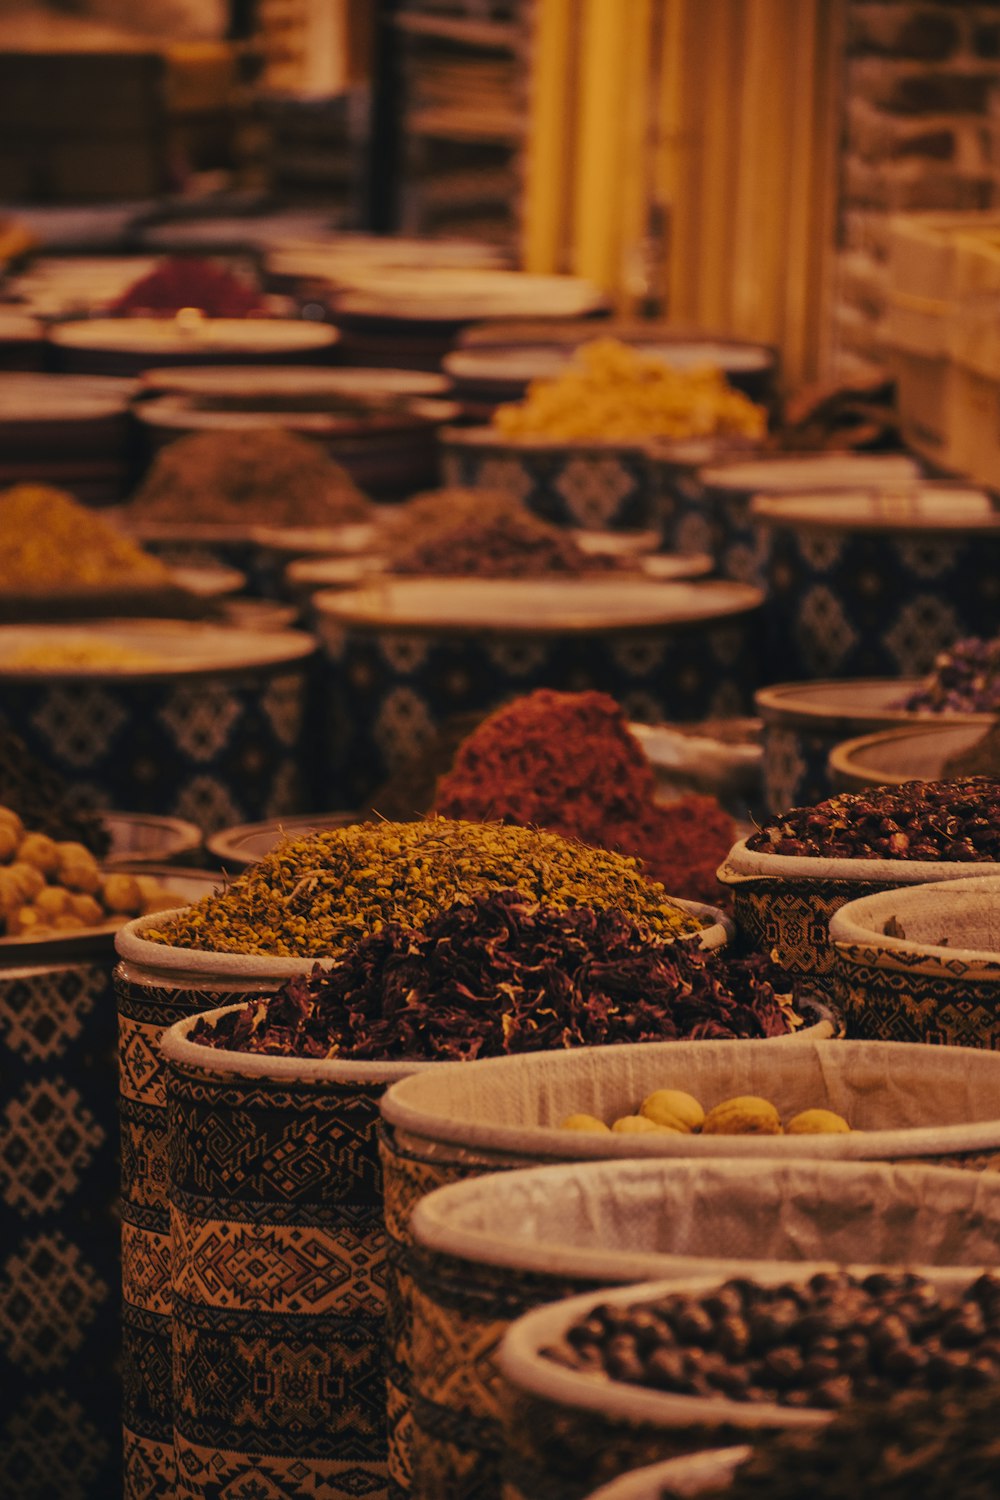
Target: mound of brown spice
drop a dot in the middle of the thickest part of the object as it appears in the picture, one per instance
(568, 762)
(497, 974)
(269, 477)
(517, 545)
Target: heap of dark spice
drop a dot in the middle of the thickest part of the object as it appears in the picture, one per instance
(312, 897)
(496, 975)
(515, 546)
(269, 477)
(568, 762)
(45, 802)
(965, 680)
(915, 1446)
(932, 820)
(817, 1344)
(190, 281)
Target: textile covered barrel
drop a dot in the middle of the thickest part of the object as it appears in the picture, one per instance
(404, 655)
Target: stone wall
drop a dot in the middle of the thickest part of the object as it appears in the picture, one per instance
(921, 132)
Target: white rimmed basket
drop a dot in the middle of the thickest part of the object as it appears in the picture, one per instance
(488, 1250)
(916, 752)
(939, 981)
(694, 1474)
(565, 1431)
(783, 903)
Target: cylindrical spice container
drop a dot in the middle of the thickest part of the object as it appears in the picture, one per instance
(804, 721)
(207, 723)
(155, 986)
(922, 964)
(877, 584)
(485, 1252)
(710, 511)
(278, 1271)
(127, 346)
(59, 1221)
(920, 752)
(404, 655)
(67, 431)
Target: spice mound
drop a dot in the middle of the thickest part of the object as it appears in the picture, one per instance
(311, 897)
(49, 542)
(568, 762)
(44, 801)
(615, 391)
(56, 886)
(933, 820)
(965, 680)
(519, 545)
(820, 1343)
(943, 1446)
(270, 477)
(496, 975)
(190, 281)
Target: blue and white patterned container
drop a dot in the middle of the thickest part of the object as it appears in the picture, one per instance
(877, 584)
(204, 723)
(406, 655)
(709, 510)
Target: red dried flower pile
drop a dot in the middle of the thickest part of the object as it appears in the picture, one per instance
(188, 281)
(569, 763)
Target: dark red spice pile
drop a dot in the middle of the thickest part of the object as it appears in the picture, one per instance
(498, 975)
(187, 281)
(935, 820)
(504, 546)
(568, 762)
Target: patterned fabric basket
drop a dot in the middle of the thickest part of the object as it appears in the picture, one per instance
(938, 979)
(783, 904)
(405, 655)
(877, 584)
(156, 986)
(486, 1251)
(566, 1432)
(278, 1273)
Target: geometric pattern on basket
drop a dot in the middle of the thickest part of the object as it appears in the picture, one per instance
(144, 1155)
(454, 1455)
(278, 1268)
(203, 1471)
(146, 1264)
(790, 919)
(49, 1139)
(140, 1062)
(200, 723)
(149, 1467)
(305, 1387)
(49, 1448)
(593, 489)
(43, 1013)
(454, 1358)
(399, 1422)
(407, 1178)
(48, 1296)
(906, 1004)
(146, 1374)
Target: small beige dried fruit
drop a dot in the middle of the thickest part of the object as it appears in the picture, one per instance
(640, 1125)
(39, 850)
(673, 1108)
(746, 1114)
(817, 1122)
(585, 1122)
(121, 893)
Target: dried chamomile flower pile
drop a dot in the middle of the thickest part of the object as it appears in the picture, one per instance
(56, 886)
(614, 391)
(496, 974)
(925, 820)
(569, 762)
(313, 896)
(676, 1112)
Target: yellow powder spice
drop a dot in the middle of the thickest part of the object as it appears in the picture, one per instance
(49, 541)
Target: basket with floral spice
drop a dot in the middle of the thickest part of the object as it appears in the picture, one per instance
(307, 901)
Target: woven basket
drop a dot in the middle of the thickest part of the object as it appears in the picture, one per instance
(694, 1474)
(892, 756)
(564, 1431)
(486, 1251)
(783, 904)
(156, 986)
(938, 983)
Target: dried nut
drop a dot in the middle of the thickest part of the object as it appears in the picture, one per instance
(78, 869)
(585, 1122)
(120, 893)
(639, 1125)
(30, 879)
(817, 1122)
(89, 912)
(9, 840)
(39, 850)
(9, 818)
(11, 894)
(25, 922)
(52, 901)
(745, 1115)
(163, 900)
(674, 1108)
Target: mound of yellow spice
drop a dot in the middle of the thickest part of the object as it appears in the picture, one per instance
(311, 897)
(48, 541)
